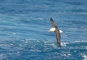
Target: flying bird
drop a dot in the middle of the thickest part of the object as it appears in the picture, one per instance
(57, 31)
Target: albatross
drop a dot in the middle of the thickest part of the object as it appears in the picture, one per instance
(57, 31)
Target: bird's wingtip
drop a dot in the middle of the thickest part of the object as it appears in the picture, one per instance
(51, 19)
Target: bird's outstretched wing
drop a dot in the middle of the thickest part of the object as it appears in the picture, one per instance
(53, 23)
(58, 36)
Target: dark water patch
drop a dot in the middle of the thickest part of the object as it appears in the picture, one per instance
(74, 3)
(79, 22)
(79, 10)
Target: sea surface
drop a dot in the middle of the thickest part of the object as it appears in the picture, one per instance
(24, 26)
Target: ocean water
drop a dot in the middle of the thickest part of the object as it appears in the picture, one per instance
(24, 26)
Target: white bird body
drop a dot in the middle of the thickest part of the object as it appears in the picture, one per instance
(53, 30)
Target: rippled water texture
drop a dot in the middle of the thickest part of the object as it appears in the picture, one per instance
(24, 26)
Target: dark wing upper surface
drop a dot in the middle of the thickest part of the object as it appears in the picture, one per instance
(53, 23)
(58, 36)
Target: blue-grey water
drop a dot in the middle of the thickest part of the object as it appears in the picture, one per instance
(24, 26)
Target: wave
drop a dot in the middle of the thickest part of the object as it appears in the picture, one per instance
(37, 49)
(43, 43)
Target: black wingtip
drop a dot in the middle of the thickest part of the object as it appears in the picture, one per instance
(51, 19)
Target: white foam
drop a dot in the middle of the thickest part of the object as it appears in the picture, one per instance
(14, 33)
(40, 18)
(81, 41)
(84, 56)
(64, 43)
